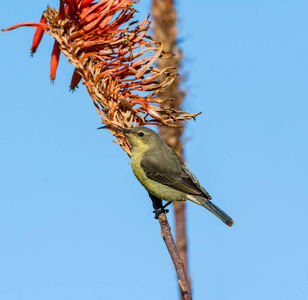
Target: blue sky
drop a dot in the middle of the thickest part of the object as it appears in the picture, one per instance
(74, 221)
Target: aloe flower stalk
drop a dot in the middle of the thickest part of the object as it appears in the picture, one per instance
(114, 56)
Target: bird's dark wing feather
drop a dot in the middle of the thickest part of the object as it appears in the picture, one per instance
(168, 169)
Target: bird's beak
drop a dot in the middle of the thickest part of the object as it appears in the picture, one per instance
(120, 129)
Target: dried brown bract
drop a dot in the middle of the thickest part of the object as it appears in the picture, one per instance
(114, 56)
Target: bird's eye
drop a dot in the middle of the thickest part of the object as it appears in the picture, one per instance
(141, 134)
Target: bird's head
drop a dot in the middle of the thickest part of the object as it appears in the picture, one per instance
(139, 137)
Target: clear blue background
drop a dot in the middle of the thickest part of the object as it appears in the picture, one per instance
(74, 221)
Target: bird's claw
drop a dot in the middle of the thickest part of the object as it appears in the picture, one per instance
(158, 211)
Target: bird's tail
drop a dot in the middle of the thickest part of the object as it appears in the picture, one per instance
(214, 209)
(218, 212)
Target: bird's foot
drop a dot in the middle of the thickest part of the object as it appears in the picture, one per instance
(160, 210)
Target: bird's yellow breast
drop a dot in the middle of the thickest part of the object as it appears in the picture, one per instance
(136, 157)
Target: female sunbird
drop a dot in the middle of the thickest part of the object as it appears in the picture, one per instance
(162, 172)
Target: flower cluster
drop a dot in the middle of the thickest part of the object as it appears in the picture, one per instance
(114, 56)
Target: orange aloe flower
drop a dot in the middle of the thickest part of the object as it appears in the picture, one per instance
(114, 56)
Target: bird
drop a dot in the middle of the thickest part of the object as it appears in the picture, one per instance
(163, 173)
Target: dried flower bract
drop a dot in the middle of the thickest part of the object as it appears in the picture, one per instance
(114, 56)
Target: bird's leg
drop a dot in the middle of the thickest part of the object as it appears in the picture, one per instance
(168, 203)
(158, 206)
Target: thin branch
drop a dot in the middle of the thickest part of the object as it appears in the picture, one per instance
(178, 263)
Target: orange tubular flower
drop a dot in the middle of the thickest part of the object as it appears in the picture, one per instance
(55, 56)
(75, 80)
(114, 59)
(38, 36)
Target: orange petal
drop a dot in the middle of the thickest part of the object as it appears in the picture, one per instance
(38, 35)
(86, 2)
(55, 56)
(72, 4)
(31, 24)
(75, 80)
(62, 10)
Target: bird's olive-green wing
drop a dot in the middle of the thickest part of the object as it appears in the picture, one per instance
(168, 169)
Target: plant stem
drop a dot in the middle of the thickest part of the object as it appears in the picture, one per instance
(178, 263)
